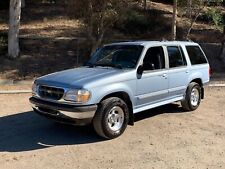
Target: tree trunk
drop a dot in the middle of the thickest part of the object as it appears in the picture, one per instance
(189, 9)
(174, 21)
(14, 23)
(90, 24)
(193, 20)
(96, 39)
(97, 43)
(145, 4)
(23, 3)
(100, 34)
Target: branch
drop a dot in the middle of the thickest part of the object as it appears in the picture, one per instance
(194, 20)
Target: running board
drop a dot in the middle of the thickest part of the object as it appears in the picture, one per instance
(157, 104)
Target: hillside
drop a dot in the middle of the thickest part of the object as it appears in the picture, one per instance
(50, 40)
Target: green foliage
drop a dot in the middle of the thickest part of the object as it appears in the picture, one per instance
(138, 22)
(215, 16)
(196, 5)
(215, 2)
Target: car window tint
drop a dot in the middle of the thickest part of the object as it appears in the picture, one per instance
(154, 59)
(196, 55)
(123, 56)
(176, 58)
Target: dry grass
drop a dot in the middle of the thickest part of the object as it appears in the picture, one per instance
(52, 28)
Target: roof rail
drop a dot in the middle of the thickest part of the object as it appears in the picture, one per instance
(189, 40)
(117, 41)
(164, 40)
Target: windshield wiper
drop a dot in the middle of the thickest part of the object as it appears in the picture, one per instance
(110, 65)
(89, 64)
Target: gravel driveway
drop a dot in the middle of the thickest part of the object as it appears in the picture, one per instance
(161, 138)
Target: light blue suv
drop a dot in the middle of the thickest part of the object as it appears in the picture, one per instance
(122, 79)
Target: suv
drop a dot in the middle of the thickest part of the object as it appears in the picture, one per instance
(122, 79)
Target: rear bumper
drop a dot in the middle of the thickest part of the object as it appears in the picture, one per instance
(76, 115)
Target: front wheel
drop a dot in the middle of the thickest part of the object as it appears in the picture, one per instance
(192, 98)
(111, 118)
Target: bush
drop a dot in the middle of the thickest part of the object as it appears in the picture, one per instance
(215, 16)
(140, 22)
(136, 22)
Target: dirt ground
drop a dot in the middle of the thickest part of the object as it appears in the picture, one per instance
(165, 137)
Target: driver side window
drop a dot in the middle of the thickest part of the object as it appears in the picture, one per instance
(154, 59)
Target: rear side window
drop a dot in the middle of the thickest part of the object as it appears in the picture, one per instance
(196, 55)
(176, 57)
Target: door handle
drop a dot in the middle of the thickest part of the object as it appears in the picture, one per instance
(164, 75)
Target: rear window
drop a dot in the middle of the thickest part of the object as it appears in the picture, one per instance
(196, 55)
(176, 57)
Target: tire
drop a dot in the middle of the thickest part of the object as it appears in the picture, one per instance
(192, 98)
(111, 118)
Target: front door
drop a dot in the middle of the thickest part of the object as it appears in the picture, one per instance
(152, 84)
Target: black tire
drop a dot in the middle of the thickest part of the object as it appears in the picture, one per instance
(187, 103)
(101, 118)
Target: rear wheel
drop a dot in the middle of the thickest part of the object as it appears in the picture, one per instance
(192, 97)
(111, 118)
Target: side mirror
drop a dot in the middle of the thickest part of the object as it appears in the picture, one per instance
(140, 69)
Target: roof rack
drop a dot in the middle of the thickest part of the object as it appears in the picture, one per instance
(164, 40)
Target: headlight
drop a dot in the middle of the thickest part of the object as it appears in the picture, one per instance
(34, 89)
(77, 95)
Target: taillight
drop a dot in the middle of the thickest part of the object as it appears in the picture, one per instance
(210, 71)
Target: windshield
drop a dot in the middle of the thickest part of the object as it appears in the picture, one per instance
(119, 56)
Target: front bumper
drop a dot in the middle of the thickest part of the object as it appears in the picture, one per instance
(61, 112)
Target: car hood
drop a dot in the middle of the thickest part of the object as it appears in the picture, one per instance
(77, 77)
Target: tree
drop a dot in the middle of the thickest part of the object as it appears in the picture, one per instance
(193, 9)
(174, 20)
(14, 23)
(23, 3)
(189, 8)
(98, 16)
(145, 4)
(194, 16)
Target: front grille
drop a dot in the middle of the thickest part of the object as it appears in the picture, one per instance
(50, 92)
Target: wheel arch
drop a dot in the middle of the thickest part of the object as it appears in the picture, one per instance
(126, 98)
(199, 81)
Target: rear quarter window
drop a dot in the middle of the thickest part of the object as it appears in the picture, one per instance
(196, 55)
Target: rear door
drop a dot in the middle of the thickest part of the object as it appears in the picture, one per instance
(178, 71)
